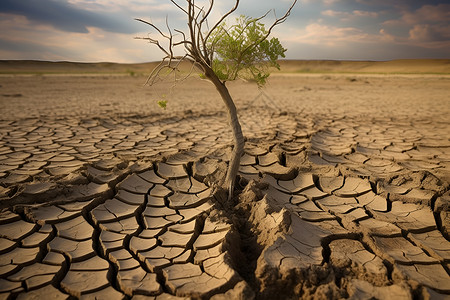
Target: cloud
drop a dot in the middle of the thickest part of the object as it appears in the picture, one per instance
(430, 36)
(66, 16)
(428, 13)
(348, 16)
(325, 35)
(362, 13)
(103, 30)
(425, 27)
(20, 40)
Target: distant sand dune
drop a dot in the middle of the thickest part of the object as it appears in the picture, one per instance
(401, 66)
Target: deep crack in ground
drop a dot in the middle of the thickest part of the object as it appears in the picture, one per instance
(337, 205)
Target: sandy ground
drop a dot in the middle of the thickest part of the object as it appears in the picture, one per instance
(343, 189)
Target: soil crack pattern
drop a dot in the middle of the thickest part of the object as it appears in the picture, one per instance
(130, 206)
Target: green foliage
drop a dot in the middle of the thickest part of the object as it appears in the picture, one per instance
(242, 50)
(162, 104)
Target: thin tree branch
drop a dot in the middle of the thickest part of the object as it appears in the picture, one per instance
(277, 22)
(153, 26)
(155, 42)
(223, 18)
(177, 5)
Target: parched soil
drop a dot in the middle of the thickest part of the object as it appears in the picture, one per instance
(343, 190)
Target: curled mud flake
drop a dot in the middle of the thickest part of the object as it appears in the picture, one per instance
(180, 271)
(135, 184)
(75, 250)
(138, 281)
(125, 226)
(400, 250)
(16, 230)
(393, 189)
(308, 210)
(248, 160)
(138, 244)
(433, 242)
(78, 283)
(95, 263)
(189, 214)
(34, 240)
(160, 222)
(184, 228)
(110, 241)
(415, 195)
(313, 193)
(433, 275)
(20, 256)
(6, 245)
(278, 171)
(301, 182)
(51, 215)
(162, 252)
(254, 150)
(160, 191)
(102, 214)
(204, 254)
(409, 216)
(156, 201)
(100, 176)
(331, 184)
(7, 286)
(130, 198)
(209, 240)
(180, 184)
(373, 201)
(120, 209)
(379, 228)
(189, 280)
(35, 275)
(118, 255)
(48, 292)
(86, 192)
(7, 216)
(197, 186)
(359, 289)
(353, 187)
(151, 177)
(184, 258)
(75, 206)
(337, 204)
(54, 258)
(181, 200)
(267, 159)
(171, 171)
(174, 239)
(151, 211)
(77, 229)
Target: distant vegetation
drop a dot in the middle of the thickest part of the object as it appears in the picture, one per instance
(403, 66)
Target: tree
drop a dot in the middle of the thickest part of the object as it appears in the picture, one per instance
(221, 53)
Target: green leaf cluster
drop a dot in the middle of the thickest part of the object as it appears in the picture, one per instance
(162, 104)
(243, 50)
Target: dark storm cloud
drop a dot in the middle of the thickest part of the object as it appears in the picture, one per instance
(65, 16)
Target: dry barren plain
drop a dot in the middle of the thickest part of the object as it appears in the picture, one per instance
(343, 190)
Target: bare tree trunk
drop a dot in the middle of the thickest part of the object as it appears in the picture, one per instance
(238, 137)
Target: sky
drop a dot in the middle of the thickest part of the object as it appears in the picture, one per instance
(105, 30)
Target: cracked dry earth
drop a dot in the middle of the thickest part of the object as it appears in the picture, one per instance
(343, 190)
